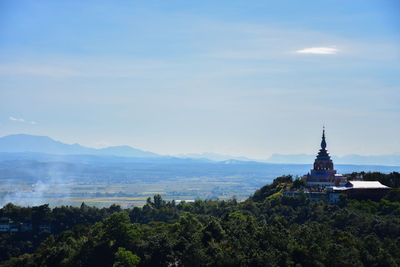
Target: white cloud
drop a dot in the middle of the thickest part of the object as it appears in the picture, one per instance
(16, 119)
(11, 118)
(318, 51)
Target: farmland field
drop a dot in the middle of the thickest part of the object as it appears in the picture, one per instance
(126, 194)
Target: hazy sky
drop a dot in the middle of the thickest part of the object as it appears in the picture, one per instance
(247, 78)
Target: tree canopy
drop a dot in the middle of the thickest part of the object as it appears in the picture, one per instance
(267, 229)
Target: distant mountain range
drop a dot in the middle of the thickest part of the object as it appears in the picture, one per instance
(23, 143)
(386, 160)
(212, 156)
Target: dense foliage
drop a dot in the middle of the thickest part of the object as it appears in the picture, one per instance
(267, 229)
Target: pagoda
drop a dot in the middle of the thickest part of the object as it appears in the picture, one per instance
(323, 174)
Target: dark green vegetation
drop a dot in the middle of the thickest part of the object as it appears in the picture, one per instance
(267, 229)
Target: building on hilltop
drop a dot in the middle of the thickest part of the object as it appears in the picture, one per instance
(323, 183)
(360, 190)
(323, 174)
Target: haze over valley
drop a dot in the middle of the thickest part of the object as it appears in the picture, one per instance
(37, 169)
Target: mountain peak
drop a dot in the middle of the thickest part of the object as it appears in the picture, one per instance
(17, 143)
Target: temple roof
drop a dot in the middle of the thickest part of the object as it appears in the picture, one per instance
(361, 185)
(323, 153)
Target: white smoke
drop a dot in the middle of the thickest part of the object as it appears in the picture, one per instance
(50, 187)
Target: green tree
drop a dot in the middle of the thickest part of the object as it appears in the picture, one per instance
(299, 183)
(125, 258)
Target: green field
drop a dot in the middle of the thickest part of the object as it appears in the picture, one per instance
(126, 194)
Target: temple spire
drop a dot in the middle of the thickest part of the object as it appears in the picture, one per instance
(323, 142)
(323, 174)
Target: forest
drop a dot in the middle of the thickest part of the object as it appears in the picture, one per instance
(267, 229)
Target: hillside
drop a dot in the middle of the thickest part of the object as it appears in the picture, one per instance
(267, 229)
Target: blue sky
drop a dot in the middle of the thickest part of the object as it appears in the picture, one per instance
(247, 78)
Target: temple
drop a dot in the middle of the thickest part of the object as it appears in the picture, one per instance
(323, 174)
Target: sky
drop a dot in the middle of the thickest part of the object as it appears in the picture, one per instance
(244, 78)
